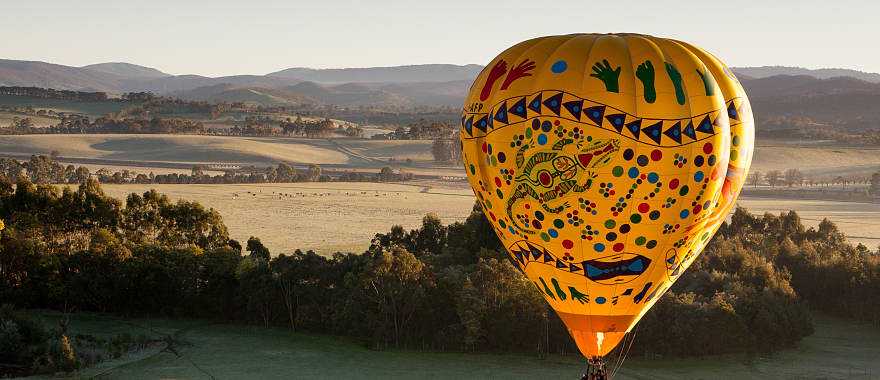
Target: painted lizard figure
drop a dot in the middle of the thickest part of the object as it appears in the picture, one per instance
(548, 175)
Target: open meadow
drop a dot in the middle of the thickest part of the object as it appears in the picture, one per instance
(333, 216)
(325, 217)
(839, 349)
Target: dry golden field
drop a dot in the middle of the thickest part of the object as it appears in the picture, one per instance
(326, 217)
(329, 217)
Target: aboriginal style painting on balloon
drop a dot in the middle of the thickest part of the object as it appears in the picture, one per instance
(605, 163)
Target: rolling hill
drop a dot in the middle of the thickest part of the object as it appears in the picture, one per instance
(126, 70)
(49, 75)
(395, 74)
(769, 71)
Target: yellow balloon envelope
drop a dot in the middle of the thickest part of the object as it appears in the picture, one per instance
(605, 162)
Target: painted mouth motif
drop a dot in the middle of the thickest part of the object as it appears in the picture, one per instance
(616, 269)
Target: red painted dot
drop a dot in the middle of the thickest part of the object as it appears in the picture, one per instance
(707, 148)
(527, 206)
(656, 155)
(567, 244)
(643, 208)
(673, 184)
(556, 122)
(497, 182)
(492, 215)
(643, 176)
(697, 209)
(618, 247)
(485, 148)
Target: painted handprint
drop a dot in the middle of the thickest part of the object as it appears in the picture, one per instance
(675, 76)
(602, 71)
(521, 70)
(496, 73)
(645, 73)
(708, 82)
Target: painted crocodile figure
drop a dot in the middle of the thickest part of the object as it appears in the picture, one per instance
(548, 175)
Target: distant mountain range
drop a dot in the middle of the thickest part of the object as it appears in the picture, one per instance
(832, 96)
(435, 84)
(769, 71)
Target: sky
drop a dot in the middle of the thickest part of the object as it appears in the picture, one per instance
(222, 37)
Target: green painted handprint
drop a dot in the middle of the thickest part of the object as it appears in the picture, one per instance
(708, 82)
(645, 73)
(578, 296)
(675, 76)
(559, 292)
(602, 71)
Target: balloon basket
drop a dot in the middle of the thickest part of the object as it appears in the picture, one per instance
(596, 369)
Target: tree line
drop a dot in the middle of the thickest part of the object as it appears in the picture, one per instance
(44, 169)
(795, 178)
(436, 287)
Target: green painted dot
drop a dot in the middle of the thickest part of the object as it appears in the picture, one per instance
(473, 169)
(502, 223)
(684, 190)
(640, 240)
(635, 218)
(499, 193)
(617, 171)
(651, 244)
(488, 205)
(610, 223)
(494, 161)
(735, 141)
(528, 133)
(545, 237)
(733, 155)
(558, 223)
(705, 236)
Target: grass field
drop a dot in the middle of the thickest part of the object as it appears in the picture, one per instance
(39, 121)
(839, 349)
(93, 109)
(328, 217)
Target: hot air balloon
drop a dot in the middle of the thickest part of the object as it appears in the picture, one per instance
(605, 163)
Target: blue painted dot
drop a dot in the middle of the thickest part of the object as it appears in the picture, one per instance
(552, 233)
(599, 247)
(653, 177)
(698, 176)
(633, 172)
(600, 300)
(542, 139)
(559, 66)
(510, 228)
(684, 213)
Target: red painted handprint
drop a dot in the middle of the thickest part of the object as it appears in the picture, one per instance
(521, 70)
(496, 73)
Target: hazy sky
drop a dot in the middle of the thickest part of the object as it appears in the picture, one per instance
(224, 37)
